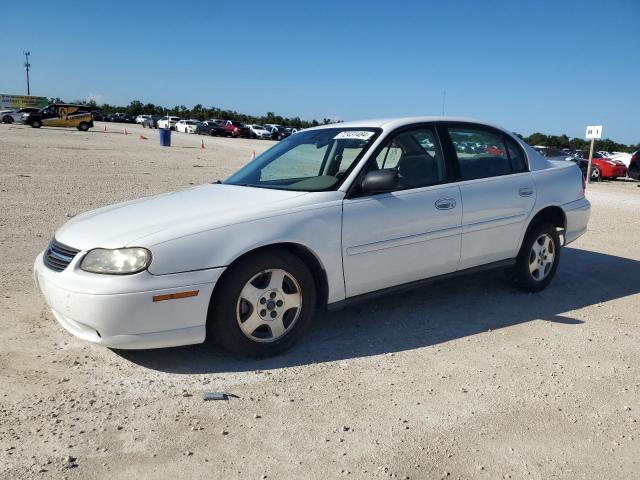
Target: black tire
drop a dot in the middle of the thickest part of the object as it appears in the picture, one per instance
(223, 322)
(7, 119)
(83, 127)
(596, 173)
(521, 274)
(36, 124)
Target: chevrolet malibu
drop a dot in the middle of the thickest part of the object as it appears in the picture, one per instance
(329, 216)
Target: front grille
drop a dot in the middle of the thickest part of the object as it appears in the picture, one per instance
(58, 256)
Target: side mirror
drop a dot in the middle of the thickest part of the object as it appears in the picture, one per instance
(380, 181)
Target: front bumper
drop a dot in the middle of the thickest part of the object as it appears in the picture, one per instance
(614, 171)
(120, 311)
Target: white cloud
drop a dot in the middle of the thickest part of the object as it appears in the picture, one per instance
(96, 97)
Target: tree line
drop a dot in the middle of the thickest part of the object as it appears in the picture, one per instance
(563, 141)
(199, 112)
(136, 107)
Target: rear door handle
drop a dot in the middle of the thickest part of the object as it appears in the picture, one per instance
(525, 191)
(445, 203)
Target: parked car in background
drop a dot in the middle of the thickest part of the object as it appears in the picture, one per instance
(210, 127)
(17, 116)
(97, 116)
(603, 167)
(279, 132)
(634, 166)
(321, 220)
(232, 128)
(187, 126)
(151, 122)
(62, 115)
(168, 122)
(552, 153)
(141, 118)
(254, 131)
(120, 118)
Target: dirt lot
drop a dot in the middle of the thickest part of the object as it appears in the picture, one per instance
(463, 379)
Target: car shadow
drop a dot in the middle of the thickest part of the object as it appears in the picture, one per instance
(436, 313)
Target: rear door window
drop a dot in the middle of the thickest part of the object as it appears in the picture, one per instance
(485, 153)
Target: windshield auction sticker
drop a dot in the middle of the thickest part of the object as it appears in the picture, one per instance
(354, 135)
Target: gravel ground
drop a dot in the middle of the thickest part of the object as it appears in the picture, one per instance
(462, 379)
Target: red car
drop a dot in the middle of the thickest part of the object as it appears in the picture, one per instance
(495, 151)
(603, 167)
(232, 128)
(634, 166)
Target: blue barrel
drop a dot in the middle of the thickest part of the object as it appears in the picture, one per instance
(165, 137)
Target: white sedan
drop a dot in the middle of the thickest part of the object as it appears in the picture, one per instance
(329, 216)
(258, 131)
(187, 126)
(168, 122)
(17, 116)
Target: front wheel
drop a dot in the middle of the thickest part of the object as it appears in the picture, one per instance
(538, 258)
(596, 174)
(262, 305)
(83, 127)
(36, 124)
(7, 119)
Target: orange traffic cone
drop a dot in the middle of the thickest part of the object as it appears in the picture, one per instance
(142, 137)
(202, 145)
(105, 129)
(125, 132)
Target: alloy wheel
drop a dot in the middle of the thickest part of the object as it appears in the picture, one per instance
(541, 257)
(269, 305)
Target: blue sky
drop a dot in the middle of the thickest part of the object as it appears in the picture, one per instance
(550, 66)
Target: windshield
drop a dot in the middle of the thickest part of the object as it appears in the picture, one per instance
(310, 161)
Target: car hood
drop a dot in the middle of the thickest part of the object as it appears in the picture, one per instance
(172, 215)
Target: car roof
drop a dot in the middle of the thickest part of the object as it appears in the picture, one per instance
(393, 123)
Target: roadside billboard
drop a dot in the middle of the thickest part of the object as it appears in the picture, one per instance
(22, 101)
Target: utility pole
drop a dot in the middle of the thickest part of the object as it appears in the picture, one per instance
(27, 66)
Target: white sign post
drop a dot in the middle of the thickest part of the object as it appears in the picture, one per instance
(593, 132)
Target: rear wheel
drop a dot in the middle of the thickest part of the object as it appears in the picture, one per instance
(263, 305)
(596, 174)
(7, 119)
(83, 127)
(538, 258)
(36, 124)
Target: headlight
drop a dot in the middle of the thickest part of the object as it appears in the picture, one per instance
(120, 261)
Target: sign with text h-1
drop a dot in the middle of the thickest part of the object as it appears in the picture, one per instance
(594, 131)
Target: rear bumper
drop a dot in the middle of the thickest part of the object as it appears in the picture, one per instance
(577, 214)
(128, 319)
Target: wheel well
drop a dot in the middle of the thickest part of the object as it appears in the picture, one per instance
(553, 215)
(304, 254)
